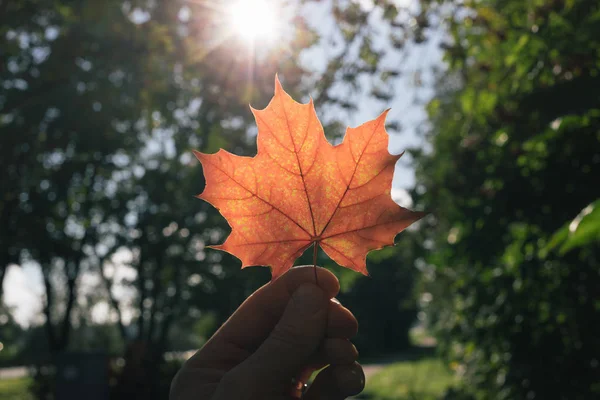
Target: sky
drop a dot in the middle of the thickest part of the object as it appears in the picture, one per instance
(23, 285)
(407, 107)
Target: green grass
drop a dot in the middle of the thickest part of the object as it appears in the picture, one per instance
(425, 379)
(15, 389)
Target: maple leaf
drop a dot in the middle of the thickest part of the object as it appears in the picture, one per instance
(300, 190)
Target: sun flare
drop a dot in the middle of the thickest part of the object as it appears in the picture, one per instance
(254, 20)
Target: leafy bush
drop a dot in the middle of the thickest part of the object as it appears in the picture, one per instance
(514, 160)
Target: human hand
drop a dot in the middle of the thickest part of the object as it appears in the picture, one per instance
(282, 333)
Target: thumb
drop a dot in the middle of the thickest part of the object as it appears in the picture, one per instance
(294, 339)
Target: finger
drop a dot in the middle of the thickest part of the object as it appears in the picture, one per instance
(258, 315)
(337, 382)
(341, 323)
(195, 383)
(252, 322)
(336, 351)
(292, 342)
(339, 351)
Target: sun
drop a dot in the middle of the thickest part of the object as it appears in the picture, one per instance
(254, 21)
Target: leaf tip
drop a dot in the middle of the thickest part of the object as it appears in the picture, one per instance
(198, 155)
(421, 214)
(278, 87)
(398, 156)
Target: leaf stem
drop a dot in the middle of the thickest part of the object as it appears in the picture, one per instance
(316, 248)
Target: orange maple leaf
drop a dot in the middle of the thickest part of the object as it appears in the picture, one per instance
(300, 190)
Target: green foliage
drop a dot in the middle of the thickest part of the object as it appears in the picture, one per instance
(514, 160)
(582, 231)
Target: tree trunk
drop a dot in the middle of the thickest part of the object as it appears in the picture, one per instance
(108, 284)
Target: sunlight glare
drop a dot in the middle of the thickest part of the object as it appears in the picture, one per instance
(254, 20)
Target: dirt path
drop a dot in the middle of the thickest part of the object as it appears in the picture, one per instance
(13, 373)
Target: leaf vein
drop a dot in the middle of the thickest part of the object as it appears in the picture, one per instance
(351, 178)
(267, 202)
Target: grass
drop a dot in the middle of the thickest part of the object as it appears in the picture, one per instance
(424, 379)
(15, 389)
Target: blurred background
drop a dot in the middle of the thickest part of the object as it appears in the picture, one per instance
(106, 282)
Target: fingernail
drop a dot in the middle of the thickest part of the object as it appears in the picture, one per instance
(309, 297)
(336, 301)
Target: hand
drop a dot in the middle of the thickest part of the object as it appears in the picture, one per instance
(281, 334)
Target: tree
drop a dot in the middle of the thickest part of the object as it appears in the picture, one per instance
(514, 133)
(61, 100)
